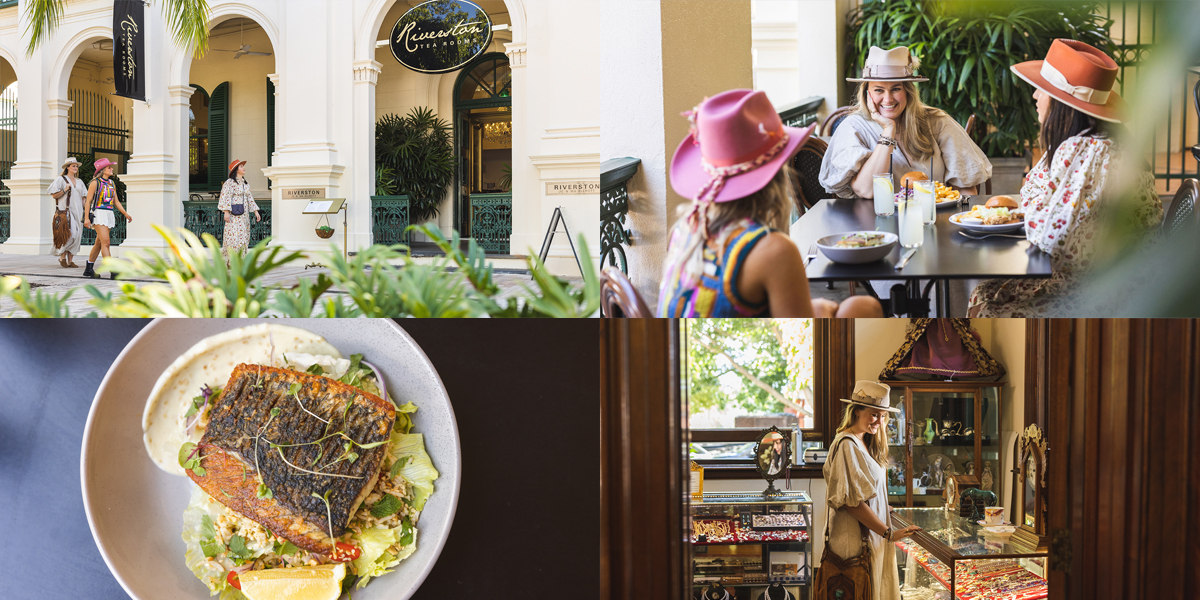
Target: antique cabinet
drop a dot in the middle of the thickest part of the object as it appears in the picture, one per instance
(746, 541)
(942, 429)
(955, 557)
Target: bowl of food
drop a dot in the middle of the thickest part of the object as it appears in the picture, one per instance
(274, 461)
(999, 214)
(857, 247)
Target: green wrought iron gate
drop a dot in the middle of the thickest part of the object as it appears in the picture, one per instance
(95, 126)
(8, 154)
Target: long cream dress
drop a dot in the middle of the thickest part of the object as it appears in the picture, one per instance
(853, 477)
(237, 230)
(72, 202)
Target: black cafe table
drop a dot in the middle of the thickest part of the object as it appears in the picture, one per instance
(945, 255)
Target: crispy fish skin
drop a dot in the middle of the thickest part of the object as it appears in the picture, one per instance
(234, 451)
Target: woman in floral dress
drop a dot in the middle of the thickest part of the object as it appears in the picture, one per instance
(1074, 186)
(236, 192)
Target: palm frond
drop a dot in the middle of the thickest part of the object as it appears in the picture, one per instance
(41, 19)
(188, 22)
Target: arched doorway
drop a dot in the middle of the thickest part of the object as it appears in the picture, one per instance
(8, 142)
(483, 145)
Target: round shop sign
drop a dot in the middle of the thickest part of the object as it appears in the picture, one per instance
(441, 36)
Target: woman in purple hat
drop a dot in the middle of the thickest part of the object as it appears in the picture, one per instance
(725, 257)
(102, 200)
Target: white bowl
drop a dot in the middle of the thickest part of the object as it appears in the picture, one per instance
(135, 510)
(855, 256)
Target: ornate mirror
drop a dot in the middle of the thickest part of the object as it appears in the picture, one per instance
(772, 456)
(1030, 458)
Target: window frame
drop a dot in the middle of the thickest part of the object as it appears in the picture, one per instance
(833, 371)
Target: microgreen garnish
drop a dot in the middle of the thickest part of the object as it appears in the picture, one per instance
(197, 402)
(316, 370)
(386, 507)
(328, 514)
(264, 491)
(257, 437)
(280, 451)
(227, 494)
(294, 391)
(188, 459)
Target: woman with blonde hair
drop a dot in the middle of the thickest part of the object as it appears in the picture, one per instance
(894, 132)
(726, 257)
(856, 488)
(68, 192)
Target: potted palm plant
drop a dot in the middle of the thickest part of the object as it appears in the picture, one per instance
(414, 157)
(966, 48)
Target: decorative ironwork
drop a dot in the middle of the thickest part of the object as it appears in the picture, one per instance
(5, 223)
(202, 216)
(389, 220)
(94, 122)
(8, 137)
(491, 221)
(116, 235)
(614, 207)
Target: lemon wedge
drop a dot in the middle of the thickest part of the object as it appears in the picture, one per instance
(322, 582)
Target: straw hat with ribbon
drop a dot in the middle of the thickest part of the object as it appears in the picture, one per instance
(71, 160)
(897, 64)
(736, 145)
(872, 394)
(1078, 75)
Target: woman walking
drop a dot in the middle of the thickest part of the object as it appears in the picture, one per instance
(237, 203)
(68, 192)
(102, 200)
(855, 476)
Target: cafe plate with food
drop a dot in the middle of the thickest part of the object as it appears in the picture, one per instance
(946, 195)
(857, 247)
(1000, 214)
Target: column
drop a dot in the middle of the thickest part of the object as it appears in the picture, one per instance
(824, 25)
(526, 205)
(366, 76)
(32, 208)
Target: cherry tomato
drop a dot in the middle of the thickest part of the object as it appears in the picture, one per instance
(346, 552)
(232, 578)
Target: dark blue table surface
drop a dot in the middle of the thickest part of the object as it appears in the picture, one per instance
(525, 517)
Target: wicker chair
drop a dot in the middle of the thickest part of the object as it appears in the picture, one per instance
(807, 165)
(618, 298)
(1183, 217)
(835, 118)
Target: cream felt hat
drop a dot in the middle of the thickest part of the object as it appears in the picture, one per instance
(872, 394)
(896, 64)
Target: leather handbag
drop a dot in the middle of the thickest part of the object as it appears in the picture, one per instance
(844, 578)
(238, 209)
(61, 226)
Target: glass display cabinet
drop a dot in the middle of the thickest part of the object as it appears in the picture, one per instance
(746, 541)
(942, 429)
(955, 557)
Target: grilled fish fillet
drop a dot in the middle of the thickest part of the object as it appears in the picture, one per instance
(237, 445)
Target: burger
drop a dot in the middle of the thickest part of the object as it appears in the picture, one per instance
(912, 176)
(1001, 202)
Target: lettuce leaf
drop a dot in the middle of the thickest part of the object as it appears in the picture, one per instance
(198, 529)
(403, 420)
(419, 470)
(373, 561)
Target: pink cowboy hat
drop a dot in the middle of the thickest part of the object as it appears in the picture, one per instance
(100, 164)
(732, 128)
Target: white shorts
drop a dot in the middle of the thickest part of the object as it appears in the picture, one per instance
(105, 218)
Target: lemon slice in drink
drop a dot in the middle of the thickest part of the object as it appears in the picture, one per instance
(322, 582)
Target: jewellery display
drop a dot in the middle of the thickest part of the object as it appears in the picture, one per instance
(777, 521)
(986, 579)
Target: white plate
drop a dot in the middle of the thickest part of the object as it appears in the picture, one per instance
(1000, 529)
(135, 510)
(977, 226)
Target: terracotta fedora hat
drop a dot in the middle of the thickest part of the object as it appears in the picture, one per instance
(739, 135)
(1078, 75)
(872, 394)
(897, 64)
(235, 164)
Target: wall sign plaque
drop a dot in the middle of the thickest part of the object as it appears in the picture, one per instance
(441, 36)
(559, 188)
(303, 194)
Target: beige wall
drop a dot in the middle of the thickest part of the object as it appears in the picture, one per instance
(247, 77)
(93, 77)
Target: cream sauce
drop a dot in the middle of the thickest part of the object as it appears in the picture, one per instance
(211, 361)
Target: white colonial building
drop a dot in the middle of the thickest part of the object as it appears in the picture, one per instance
(295, 87)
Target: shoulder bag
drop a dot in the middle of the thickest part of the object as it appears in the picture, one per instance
(844, 578)
(61, 226)
(239, 208)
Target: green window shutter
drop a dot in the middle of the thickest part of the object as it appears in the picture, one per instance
(270, 120)
(218, 136)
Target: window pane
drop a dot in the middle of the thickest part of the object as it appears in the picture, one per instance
(751, 373)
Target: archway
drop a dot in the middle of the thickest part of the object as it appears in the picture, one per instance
(230, 115)
(8, 142)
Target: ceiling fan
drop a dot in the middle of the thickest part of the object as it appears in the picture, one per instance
(244, 50)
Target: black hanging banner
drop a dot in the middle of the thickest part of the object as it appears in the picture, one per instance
(129, 48)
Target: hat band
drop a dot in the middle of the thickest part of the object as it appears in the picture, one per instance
(866, 399)
(887, 71)
(1082, 92)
